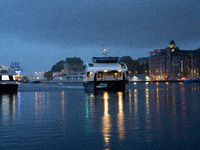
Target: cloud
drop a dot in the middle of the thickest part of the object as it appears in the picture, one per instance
(75, 26)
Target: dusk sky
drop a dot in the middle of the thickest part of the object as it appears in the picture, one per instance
(39, 33)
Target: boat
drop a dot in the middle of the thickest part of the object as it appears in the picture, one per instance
(64, 78)
(105, 72)
(34, 79)
(8, 84)
(76, 77)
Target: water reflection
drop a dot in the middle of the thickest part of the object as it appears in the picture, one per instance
(146, 113)
(36, 104)
(148, 125)
(106, 124)
(63, 103)
(120, 116)
(136, 123)
(184, 113)
(8, 108)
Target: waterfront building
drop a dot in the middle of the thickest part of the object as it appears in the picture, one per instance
(174, 64)
(73, 65)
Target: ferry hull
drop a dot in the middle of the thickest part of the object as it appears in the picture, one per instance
(8, 88)
(107, 85)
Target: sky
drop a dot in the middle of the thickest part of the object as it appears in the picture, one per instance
(40, 33)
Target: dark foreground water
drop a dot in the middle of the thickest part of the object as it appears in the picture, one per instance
(145, 116)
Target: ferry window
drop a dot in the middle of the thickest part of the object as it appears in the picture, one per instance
(100, 75)
(13, 78)
(89, 74)
(5, 77)
(90, 65)
(119, 74)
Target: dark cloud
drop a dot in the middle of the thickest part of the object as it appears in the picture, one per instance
(123, 24)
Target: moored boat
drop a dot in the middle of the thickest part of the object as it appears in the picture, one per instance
(105, 72)
(34, 79)
(65, 78)
(8, 84)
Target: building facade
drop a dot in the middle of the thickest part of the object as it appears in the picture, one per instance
(174, 64)
(73, 65)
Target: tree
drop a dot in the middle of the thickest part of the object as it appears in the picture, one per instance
(58, 67)
(48, 74)
(134, 65)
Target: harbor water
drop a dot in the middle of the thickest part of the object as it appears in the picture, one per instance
(148, 115)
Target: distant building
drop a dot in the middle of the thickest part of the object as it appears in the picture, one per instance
(73, 65)
(172, 63)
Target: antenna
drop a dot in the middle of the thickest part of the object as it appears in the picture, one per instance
(104, 51)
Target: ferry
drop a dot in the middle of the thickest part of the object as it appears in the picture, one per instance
(34, 79)
(8, 84)
(105, 72)
(65, 78)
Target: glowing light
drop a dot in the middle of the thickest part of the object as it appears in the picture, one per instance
(18, 72)
(105, 71)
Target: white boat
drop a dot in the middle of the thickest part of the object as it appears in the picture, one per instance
(105, 72)
(34, 79)
(8, 84)
(64, 78)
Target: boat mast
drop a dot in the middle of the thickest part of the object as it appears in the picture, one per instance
(104, 51)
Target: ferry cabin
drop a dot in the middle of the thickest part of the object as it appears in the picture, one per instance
(106, 75)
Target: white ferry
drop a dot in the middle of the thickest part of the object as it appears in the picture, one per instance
(34, 79)
(8, 84)
(64, 78)
(105, 72)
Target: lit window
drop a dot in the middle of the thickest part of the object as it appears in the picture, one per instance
(5, 77)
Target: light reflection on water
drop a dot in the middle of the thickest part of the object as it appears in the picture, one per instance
(145, 112)
(157, 100)
(106, 123)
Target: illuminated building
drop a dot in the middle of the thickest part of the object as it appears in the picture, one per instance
(73, 65)
(173, 64)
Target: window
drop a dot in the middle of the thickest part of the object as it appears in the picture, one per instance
(5, 77)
